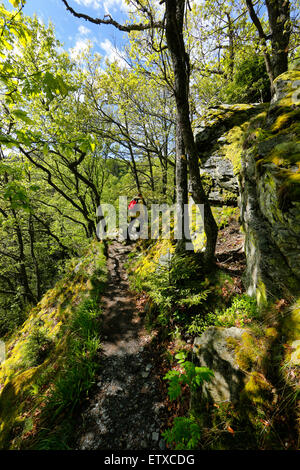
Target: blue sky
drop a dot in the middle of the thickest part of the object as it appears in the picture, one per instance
(75, 33)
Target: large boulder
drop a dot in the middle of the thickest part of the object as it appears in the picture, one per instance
(213, 349)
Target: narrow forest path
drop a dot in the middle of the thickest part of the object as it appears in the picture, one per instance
(125, 410)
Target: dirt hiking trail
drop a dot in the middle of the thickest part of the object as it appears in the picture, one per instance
(126, 408)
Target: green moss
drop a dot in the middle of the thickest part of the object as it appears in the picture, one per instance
(285, 120)
(234, 148)
(291, 330)
(232, 343)
(13, 402)
(228, 196)
(261, 293)
(257, 389)
(44, 341)
(285, 152)
(249, 352)
(207, 182)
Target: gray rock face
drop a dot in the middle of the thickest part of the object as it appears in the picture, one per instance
(269, 199)
(263, 143)
(272, 236)
(221, 172)
(213, 351)
(210, 137)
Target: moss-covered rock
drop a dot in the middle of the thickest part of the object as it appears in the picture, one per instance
(252, 154)
(270, 196)
(219, 141)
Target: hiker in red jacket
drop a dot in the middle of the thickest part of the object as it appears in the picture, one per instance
(136, 200)
(132, 214)
(133, 202)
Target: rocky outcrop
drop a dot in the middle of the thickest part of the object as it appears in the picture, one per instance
(270, 196)
(251, 153)
(214, 138)
(221, 182)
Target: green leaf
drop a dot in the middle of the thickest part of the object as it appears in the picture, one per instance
(6, 139)
(181, 356)
(20, 114)
(16, 3)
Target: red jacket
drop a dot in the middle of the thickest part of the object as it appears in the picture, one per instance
(133, 203)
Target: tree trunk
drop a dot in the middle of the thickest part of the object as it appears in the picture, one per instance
(231, 45)
(152, 182)
(34, 259)
(24, 280)
(279, 21)
(181, 172)
(174, 35)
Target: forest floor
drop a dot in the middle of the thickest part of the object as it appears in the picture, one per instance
(126, 409)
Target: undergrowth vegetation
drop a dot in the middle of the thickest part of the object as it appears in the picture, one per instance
(183, 304)
(53, 359)
(181, 296)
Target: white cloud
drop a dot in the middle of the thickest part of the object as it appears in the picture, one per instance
(112, 53)
(112, 6)
(109, 6)
(95, 4)
(83, 30)
(81, 46)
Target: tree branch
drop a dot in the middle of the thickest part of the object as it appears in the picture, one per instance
(110, 21)
(256, 20)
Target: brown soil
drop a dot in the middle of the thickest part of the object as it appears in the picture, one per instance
(230, 255)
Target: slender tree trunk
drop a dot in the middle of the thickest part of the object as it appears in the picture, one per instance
(231, 44)
(164, 171)
(134, 170)
(181, 176)
(24, 281)
(34, 259)
(279, 22)
(174, 35)
(152, 182)
(133, 162)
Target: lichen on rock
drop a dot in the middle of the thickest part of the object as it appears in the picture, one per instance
(269, 197)
(252, 155)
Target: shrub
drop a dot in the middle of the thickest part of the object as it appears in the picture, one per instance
(189, 375)
(184, 434)
(241, 311)
(37, 348)
(175, 287)
(250, 83)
